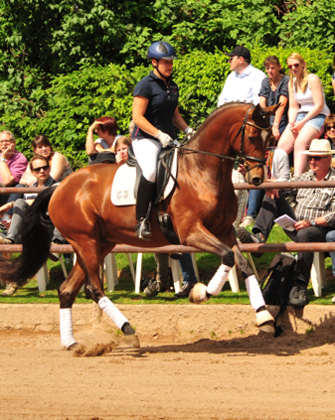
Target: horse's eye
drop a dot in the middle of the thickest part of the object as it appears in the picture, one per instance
(252, 138)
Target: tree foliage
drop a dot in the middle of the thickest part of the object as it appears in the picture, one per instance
(74, 100)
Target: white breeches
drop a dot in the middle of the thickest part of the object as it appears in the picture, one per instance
(146, 152)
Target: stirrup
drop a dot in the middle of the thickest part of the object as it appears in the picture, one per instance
(143, 230)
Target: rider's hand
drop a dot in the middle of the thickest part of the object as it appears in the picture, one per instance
(189, 132)
(164, 138)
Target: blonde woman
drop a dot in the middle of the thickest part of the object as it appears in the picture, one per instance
(307, 112)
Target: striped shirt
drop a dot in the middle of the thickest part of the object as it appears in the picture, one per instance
(314, 202)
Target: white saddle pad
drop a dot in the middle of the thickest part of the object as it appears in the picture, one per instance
(122, 193)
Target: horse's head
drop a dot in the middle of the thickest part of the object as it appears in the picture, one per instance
(255, 138)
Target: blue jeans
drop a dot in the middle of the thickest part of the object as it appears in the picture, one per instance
(254, 202)
(330, 237)
(187, 269)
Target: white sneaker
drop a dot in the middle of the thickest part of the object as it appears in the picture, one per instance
(247, 221)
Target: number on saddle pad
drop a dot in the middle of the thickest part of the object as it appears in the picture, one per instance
(278, 281)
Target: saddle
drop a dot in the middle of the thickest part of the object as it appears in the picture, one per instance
(126, 181)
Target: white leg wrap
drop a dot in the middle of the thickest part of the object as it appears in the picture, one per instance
(254, 292)
(218, 280)
(66, 327)
(112, 311)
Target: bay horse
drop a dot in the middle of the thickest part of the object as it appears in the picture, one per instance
(202, 208)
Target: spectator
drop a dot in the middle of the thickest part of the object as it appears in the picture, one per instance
(314, 215)
(121, 149)
(307, 112)
(12, 163)
(243, 84)
(40, 166)
(106, 129)
(329, 128)
(59, 165)
(244, 81)
(274, 90)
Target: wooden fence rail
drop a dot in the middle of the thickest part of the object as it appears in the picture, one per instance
(122, 248)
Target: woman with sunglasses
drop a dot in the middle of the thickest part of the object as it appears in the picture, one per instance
(307, 112)
(329, 128)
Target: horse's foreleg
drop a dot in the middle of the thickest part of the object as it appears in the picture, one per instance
(205, 240)
(264, 319)
(201, 237)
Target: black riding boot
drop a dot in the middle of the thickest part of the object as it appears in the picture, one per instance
(144, 198)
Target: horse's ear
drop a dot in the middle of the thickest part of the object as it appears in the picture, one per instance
(270, 110)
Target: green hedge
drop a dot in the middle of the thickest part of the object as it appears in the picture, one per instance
(65, 111)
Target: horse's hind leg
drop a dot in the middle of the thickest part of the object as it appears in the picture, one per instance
(67, 293)
(91, 260)
(264, 319)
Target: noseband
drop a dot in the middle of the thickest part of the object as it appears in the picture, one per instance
(242, 158)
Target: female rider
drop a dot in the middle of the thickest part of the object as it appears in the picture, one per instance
(155, 113)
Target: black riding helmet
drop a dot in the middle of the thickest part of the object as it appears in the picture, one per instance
(161, 50)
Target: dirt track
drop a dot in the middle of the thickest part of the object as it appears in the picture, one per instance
(207, 362)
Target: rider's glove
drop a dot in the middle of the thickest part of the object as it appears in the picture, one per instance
(164, 138)
(189, 132)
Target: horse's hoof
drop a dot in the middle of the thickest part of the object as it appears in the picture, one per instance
(265, 321)
(77, 348)
(198, 294)
(131, 341)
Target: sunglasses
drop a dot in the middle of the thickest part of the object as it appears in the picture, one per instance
(316, 158)
(295, 65)
(329, 127)
(40, 168)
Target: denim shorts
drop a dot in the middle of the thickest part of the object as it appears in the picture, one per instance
(316, 122)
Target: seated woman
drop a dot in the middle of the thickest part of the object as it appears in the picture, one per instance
(307, 112)
(59, 166)
(105, 128)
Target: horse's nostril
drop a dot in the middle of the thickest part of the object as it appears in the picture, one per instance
(257, 181)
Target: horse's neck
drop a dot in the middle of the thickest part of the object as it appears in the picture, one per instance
(203, 165)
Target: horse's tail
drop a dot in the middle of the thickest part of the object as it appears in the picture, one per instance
(36, 235)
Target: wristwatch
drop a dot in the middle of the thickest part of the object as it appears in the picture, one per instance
(313, 223)
(3, 160)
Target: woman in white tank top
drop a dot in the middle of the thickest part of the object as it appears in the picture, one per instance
(307, 112)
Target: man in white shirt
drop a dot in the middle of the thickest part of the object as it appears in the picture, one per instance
(244, 82)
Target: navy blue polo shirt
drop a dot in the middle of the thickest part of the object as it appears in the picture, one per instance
(163, 101)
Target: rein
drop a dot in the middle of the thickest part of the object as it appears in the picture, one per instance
(242, 158)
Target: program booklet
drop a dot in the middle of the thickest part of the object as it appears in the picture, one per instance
(286, 222)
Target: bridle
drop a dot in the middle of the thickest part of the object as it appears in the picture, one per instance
(242, 158)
